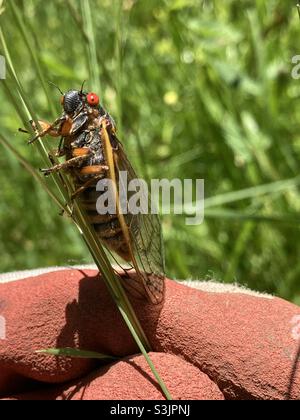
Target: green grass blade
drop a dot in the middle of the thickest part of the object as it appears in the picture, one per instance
(76, 353)
(12, 73)
(277, 187)
(91, 45)
(31, 49)
(223, 214)
(32, 171)
(238, 250)
(78, 19)
(118, 72)
(149, 361)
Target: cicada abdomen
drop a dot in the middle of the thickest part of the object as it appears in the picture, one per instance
(94, 153)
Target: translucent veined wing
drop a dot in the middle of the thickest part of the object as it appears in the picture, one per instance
(142, 231)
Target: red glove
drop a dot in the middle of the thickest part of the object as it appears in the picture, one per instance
(212, 343)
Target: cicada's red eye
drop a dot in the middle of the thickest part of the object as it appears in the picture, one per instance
(62, 99)
(92, 99)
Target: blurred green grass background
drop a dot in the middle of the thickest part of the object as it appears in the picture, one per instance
(199, 89)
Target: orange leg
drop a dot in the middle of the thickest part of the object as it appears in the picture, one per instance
(65, 165)
(52, 129)
(46, 128)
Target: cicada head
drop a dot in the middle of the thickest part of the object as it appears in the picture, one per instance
(72, 101)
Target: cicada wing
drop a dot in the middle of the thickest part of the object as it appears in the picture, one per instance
(145, 237)
(142, 230)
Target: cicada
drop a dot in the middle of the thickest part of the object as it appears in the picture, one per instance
(92, 151)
